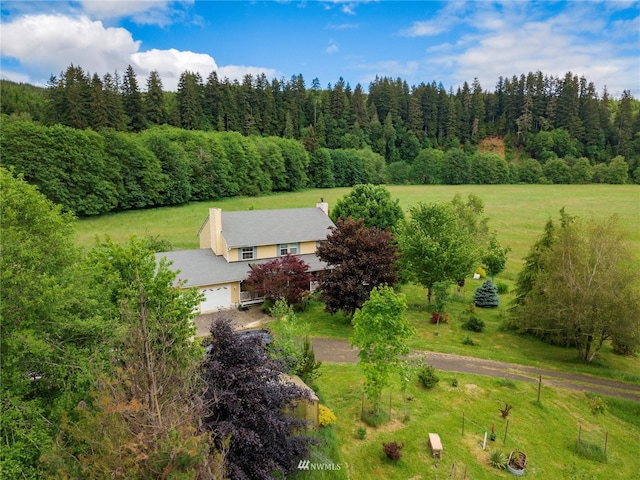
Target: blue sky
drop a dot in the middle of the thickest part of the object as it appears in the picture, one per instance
(418, 41)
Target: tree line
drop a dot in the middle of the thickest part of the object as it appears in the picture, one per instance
(91, 173)
(391, 117)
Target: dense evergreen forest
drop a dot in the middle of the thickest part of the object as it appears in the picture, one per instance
(97, 144)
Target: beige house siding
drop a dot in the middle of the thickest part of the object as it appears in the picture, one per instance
(205, 235)
(268, 251)
(304, 409)
(211, 232)
(307, 247)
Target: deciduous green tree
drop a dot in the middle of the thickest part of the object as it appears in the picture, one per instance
(148, 405)
(495, 256)
(51, 325)
(380, 331)
(435, 246)
(371, 203)
(321, 169)
(455, 167)
(585, 291)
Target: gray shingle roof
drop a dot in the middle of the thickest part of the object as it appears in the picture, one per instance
(271, 227)
(202, 267)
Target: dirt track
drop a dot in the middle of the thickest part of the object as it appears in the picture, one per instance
(339, 351)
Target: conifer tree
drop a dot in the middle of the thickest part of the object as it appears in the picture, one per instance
(132, 101)
(154, 105)
(113, 100)
(189, 98)
(486, 295)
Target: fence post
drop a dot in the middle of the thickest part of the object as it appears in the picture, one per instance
(463, 423)
(539, 385)
(484, 442)
(505, 432)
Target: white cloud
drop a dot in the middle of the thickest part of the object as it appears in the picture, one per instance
(520, 37)
(346, 6)
(142, 12)
(233, 72)
(170, 64)
(332, 48)
(46, 44)
(119, 9)
(452, 15)
(14, 76)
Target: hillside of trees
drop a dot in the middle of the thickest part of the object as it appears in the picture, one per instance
(97, 144)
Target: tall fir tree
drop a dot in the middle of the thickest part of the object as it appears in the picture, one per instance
(154, 105)
(132, 101)
(189, 97)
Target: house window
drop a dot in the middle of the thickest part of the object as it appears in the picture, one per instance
(247, 253)
(289, 248)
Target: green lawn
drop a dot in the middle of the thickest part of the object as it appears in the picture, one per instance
(517, 212)
(546, 432)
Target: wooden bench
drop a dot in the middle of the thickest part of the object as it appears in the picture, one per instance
(436, 445)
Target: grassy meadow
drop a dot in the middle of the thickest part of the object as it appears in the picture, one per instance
(517, 212)
(545, 431)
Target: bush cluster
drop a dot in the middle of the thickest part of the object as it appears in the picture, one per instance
(427, 377)
(498, 459)
(325, 416)
(474, 324)
(597, 404)
(393, 450)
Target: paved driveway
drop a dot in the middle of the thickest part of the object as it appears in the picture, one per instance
(243, 320)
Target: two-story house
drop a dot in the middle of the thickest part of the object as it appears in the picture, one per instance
(230, 242)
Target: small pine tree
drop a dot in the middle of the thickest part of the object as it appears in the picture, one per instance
(486, 295)
(308, 366)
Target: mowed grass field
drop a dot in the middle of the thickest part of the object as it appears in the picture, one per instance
(517, 212)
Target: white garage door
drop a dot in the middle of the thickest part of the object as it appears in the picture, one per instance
(216, 298)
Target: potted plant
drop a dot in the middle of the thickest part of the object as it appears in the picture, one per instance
(517, 462)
